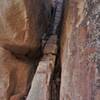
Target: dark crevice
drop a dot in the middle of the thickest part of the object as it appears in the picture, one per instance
(56, 79)
(56, 76)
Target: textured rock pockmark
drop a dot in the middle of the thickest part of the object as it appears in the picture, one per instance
(94, 40)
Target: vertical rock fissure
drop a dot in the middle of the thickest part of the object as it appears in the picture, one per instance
(56, 76)
(52, 75)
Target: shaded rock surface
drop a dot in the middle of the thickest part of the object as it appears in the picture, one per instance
(14, 76)
(22, 23)
(40, 89)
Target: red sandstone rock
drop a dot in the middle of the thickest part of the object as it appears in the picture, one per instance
(79, 43)
(21, 24)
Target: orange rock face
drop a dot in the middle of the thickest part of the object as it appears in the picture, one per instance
(21, 27)
(14, 75)
(21, 24)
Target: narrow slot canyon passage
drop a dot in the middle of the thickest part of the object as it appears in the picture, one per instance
(50, 59)
(50, 50)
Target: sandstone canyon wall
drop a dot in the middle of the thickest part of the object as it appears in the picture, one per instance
(80, 50)
(22, 23)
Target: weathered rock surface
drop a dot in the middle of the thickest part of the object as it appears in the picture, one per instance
(22, 23)
(40, 89)
(80, 44)
(14, 76)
